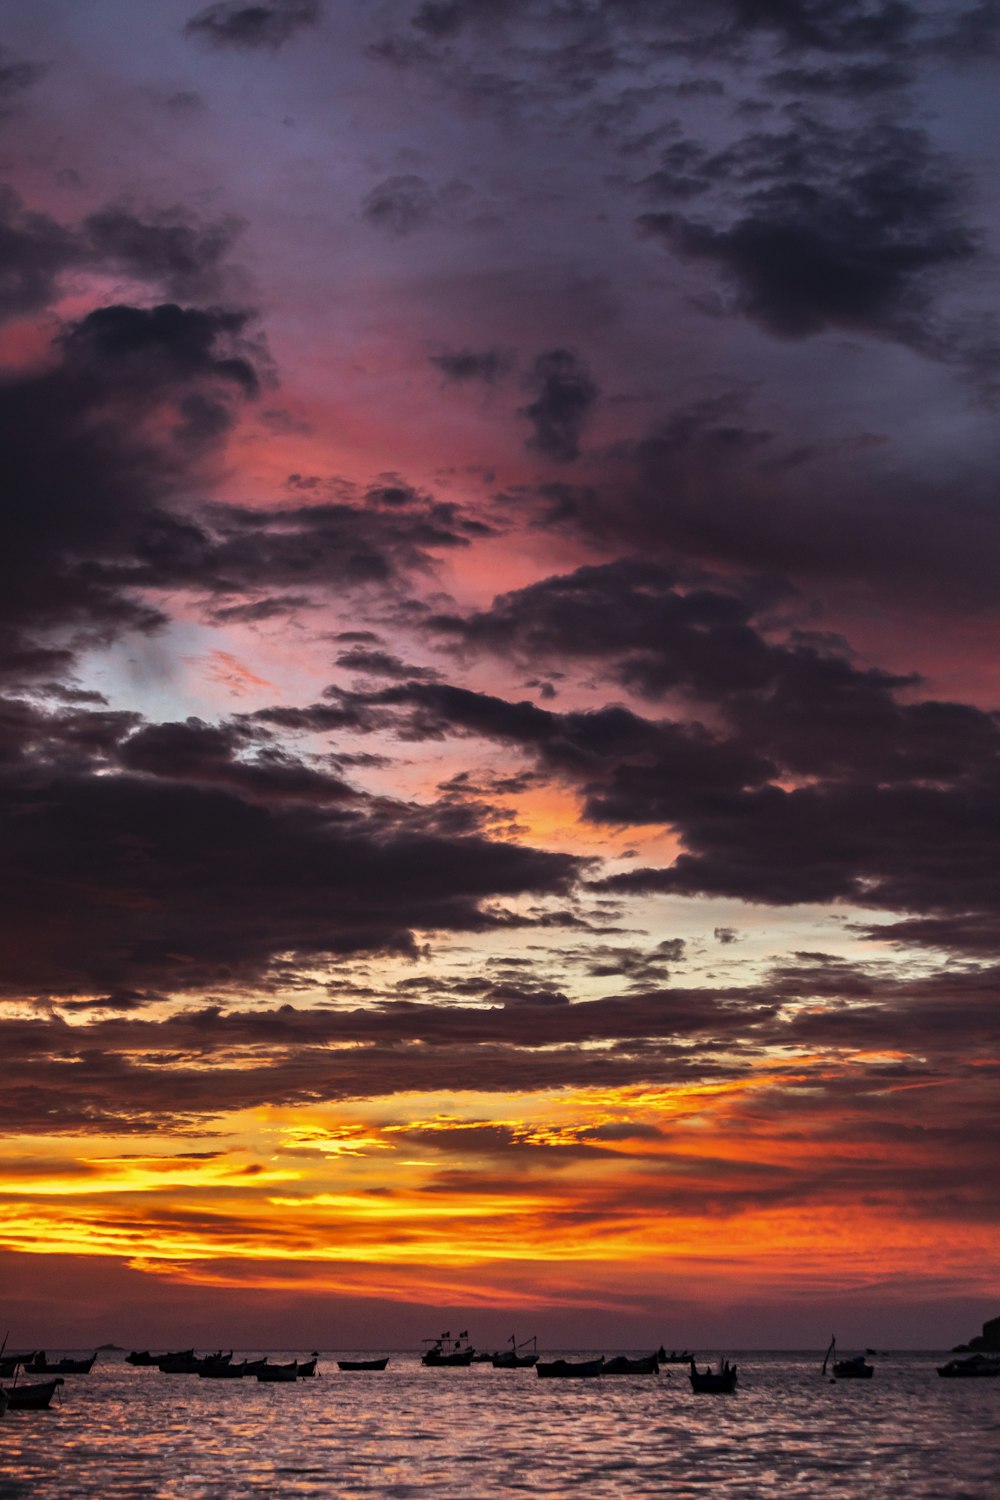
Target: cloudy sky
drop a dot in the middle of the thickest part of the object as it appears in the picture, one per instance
(498, 670)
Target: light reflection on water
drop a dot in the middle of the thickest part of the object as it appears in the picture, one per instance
(134, 1434)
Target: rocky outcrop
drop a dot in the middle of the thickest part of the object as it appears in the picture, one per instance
(987, 1342)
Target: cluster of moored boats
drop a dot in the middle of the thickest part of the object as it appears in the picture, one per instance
(35, 1395)
(221, 1366)
(443, 1352)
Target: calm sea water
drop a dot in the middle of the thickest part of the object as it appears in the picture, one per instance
(134, 1434)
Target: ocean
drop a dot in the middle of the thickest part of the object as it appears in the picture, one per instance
(123, 1433)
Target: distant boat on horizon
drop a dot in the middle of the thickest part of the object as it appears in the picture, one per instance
(976, 1366)
(512, 1359)
(448, 1353)
(33, 1397)
(720, 1382)
(854, 1368)
(565, 1369)
(41, 1365)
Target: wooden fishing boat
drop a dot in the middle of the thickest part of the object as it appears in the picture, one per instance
(34, 1397)
(42, 1366)
(720, 1382)
(976, 1366)
(855, 1368)
(362, 1364)
(276, 1373)
(565, 1369)
(448, 1353)
(456, 1359)
(647, 1364)
(179, 1364)
(675, 1357)
(513, 1359)
(3, 1401)
(224, 1370)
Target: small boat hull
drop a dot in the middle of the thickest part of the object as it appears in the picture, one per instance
(226, 1371)
(45, 1366)
(620, 1365)
(564, 1369)
(980, 1366)
(720, 1382)
(35, 1397)
(714, 1384)
(362, 1364)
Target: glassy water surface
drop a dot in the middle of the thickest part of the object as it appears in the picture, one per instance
(134, 1434)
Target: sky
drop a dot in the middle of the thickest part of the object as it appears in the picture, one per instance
(498, 671)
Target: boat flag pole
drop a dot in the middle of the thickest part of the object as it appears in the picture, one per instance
(829, 1352)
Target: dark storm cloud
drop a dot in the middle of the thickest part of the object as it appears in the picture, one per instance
(659, 769)
(168, 249)
(97, 1090)
(446, 17)
(371, 541)
(160, 346)
(973, 933)
(487, 365)
(709, 483)
(235, 24)
(229, 755)
(128, 1070)
(893, 803)
(15, 78)
(826, 25)
(93, 446)
(204, 868)
(818, 224)
(830, 228)
(797, 699)
(887, 28)
(184, 257)
(34, 252)
(275, 608)
(857, 81)
(719, 29)
(908, 848)
(400, 205)
(660, 626)
(565, 396)
(383, 664)
(131, 1068)
(143, 858)
(103, 446)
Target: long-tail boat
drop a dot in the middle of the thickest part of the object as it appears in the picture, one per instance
(720, 1382)
(33, 1397)
(565, 1369)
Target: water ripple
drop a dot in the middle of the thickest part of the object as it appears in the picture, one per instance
(134, 1434)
